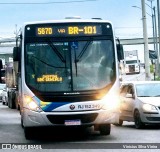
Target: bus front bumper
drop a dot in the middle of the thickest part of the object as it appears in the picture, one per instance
(83, 118)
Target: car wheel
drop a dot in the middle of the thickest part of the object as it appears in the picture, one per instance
(105, 129)
(137, 119)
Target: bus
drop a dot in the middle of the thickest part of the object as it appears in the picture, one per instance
(67, 74)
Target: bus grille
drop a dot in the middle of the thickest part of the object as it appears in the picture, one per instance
(60, 119)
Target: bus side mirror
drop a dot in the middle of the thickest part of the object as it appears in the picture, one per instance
(16, 54)
(1, 67)
(1, 64)
(120, 52)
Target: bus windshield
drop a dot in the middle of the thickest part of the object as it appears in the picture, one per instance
(81, 65)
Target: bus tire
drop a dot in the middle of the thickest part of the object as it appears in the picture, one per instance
(22, 122)
(9, 100)
(120, 123)
(105, 129)
(28, 133)
(12, 101)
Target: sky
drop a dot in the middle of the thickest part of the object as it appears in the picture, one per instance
(127, 20)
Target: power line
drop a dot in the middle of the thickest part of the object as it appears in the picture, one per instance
(126, 27)
(27, 3)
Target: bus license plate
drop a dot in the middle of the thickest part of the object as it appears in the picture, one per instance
(72, 122)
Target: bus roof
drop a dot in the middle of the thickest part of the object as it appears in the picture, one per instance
(94, 20)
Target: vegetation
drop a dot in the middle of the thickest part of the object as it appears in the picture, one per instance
(151, 68)
(157, 78)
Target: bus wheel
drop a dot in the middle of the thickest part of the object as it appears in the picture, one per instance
(28, 133)
(22, 122)
(12, 101)
(120, 123)
(105, 129)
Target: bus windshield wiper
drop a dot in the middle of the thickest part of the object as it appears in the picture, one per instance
(56, 51)
(80, 55)
(75, 60)
(46, 63)
(83, 51)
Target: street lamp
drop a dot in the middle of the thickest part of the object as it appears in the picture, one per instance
(141, 10)
(145, 36)
(153, 24)
(155, 39)
(158, 12)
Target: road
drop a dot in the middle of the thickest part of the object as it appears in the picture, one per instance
(136, 77)
(70, 139)
(11, 132)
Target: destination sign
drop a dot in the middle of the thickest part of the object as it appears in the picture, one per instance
(68, 30)
(49, 78)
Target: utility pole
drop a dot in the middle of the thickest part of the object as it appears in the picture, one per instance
(145, 36)
(156, 46)
(153, 23)
(158, 13)
(16, 33)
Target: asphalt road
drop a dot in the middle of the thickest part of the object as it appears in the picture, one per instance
(12, 133)
(136, 77)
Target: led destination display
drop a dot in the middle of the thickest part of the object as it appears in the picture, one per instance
(67, 30)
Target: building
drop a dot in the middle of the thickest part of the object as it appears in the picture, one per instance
(6, 52)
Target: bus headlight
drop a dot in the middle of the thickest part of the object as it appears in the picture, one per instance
(31, 104)
(111, 101)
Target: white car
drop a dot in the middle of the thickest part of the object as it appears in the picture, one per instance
(2, 86)
(140, 102)
(5, 96)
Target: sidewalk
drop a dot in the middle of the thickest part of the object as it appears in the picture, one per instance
(142, 77)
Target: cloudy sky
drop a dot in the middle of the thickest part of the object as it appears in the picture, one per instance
(127, 20)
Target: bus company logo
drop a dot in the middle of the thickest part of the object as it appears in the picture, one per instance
(71, 93)
(72, 107)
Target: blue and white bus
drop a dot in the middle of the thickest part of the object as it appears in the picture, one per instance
(67, 74)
